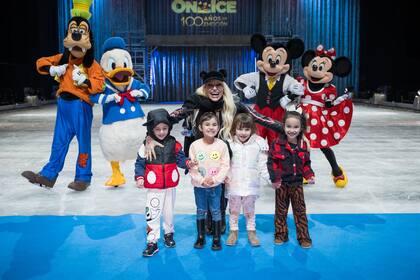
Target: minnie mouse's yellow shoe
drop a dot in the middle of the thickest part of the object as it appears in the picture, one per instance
(342, 180)
(305, 182)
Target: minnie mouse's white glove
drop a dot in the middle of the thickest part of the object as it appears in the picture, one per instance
(58, 70)
(340, 99)
(249, 92)
(78, 76)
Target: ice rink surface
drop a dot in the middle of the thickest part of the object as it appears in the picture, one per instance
(380, 154)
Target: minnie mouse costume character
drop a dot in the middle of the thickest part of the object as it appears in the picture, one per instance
(329, 116)
(272, 86)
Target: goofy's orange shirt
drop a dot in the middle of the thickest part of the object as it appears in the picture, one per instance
(94, 74)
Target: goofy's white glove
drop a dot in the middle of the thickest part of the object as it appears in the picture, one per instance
(58, 70)
(78, 76)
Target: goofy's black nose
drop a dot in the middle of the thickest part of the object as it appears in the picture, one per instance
(76, 36)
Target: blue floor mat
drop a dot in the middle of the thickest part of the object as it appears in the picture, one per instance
(345, 246)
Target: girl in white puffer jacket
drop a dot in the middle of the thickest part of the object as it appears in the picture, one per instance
(248, 170)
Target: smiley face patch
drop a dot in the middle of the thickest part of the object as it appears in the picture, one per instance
(215, 155)
(201, 156)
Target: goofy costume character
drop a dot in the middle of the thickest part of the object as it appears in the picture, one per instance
(79, 76)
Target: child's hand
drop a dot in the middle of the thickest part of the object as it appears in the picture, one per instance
(311, 180)
(208, 182)
(276, 185)
(192, 163)
(227, 181)
(140, 183)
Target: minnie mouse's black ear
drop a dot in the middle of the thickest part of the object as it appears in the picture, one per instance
(295, 48)
(342, 66)
(307, 57)
(203, 74)
(223, 72)
(258, 42)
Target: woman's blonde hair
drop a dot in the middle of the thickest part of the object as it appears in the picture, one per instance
(228, 110)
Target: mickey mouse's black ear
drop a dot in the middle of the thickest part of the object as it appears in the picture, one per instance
(203, 74)
(258, 42)
(223, 72)
(295, 48)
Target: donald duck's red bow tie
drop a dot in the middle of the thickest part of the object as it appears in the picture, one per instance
(124, 95)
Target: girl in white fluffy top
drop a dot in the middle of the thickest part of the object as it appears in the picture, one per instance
(248, 169)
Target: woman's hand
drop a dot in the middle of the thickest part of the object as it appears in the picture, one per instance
(149, 150)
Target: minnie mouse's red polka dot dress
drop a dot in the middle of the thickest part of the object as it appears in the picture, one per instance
(326, 126)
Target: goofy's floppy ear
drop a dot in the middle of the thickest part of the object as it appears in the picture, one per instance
(295, 48)
(258, 43)
(342, 66)
(90, 55)
(307, 57)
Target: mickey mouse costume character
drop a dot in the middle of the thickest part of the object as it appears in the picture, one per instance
(122, 114)
(329, 116)
(79, 76)
(272, 86)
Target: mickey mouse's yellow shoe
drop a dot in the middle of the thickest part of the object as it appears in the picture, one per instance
(342, 180)
(117, 178)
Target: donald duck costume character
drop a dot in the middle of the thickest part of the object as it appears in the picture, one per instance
(121, 131)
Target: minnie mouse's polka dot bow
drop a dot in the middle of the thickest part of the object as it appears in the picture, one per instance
(330, 53)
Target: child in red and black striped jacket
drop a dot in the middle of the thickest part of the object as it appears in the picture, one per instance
(288, 163)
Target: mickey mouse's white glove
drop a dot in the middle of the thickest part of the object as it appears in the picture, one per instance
(284, 101)
(249, 92)
(58, 70)
(78, 76)
(296, 89)
(136, 93)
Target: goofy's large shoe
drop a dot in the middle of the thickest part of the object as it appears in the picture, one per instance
(117, 178)
(78, 185)
(35, 178)
(342, 180)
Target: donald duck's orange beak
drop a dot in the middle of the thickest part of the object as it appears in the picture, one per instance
(120, 76)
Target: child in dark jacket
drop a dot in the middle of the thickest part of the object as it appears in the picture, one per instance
(288, 163)
(160, 176)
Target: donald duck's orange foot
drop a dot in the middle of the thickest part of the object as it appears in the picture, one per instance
(115, 180)
(342, 180)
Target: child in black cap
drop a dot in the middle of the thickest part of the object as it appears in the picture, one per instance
(160, 176)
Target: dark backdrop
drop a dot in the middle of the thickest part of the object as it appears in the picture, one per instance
(389, 56)
(21, 47)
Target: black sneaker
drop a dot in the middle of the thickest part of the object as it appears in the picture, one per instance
(169, 240)
(150, 250)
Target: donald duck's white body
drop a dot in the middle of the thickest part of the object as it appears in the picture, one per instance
(121, 133)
